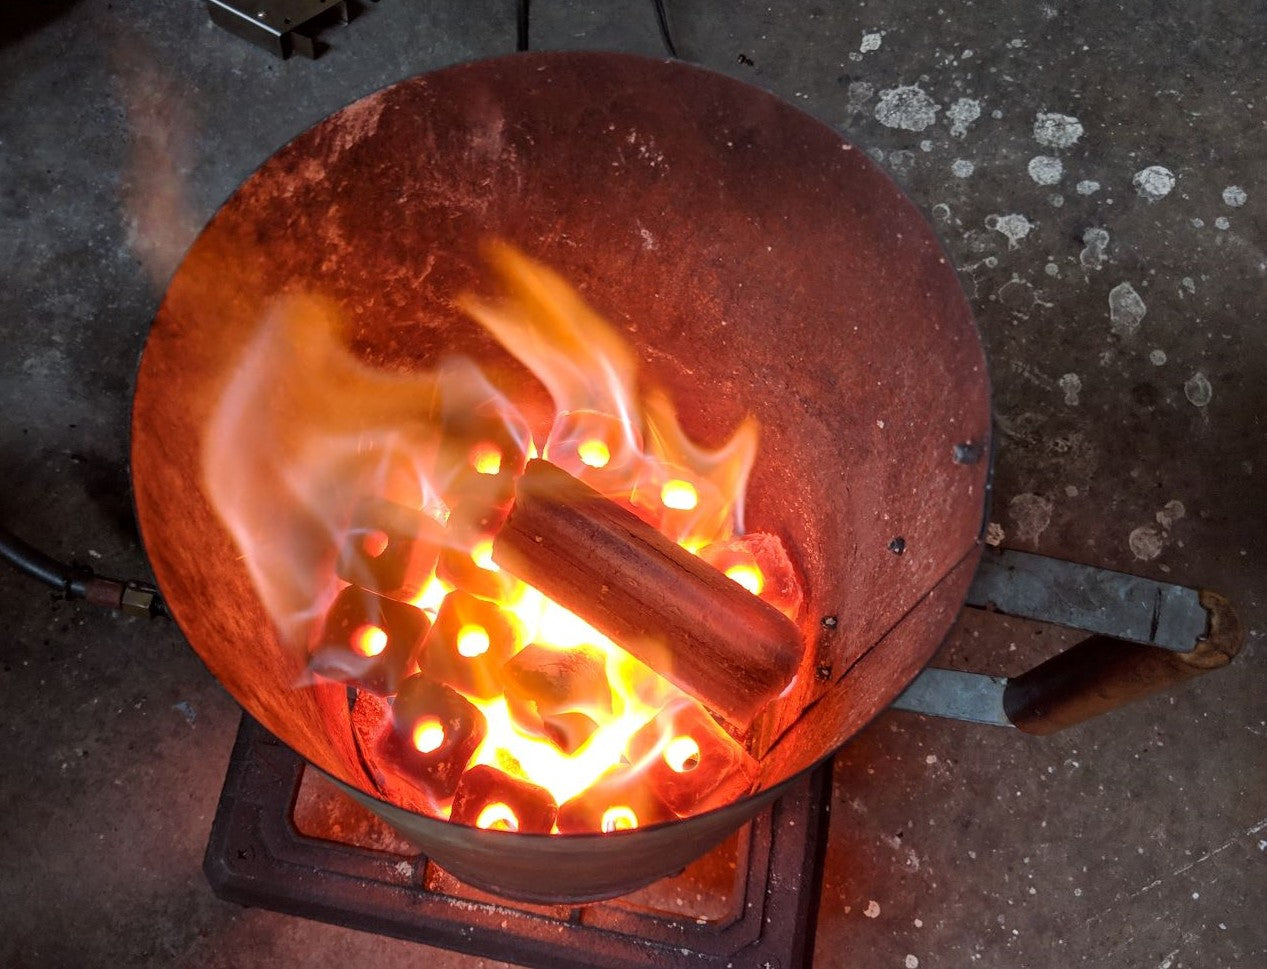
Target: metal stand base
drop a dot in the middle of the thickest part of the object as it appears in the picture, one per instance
(763, 913)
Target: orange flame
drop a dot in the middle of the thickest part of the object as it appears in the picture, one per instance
(305, 430)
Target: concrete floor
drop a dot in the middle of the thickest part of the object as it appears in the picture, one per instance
(1137, 840)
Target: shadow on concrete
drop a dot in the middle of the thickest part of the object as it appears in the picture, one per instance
(21, 17)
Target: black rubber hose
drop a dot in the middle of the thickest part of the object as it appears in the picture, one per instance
(26, 558)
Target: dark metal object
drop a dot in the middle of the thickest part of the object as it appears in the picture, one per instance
(255, 856)
(1085, 597)
(1150, 636)
(281, 26)
(124, 595)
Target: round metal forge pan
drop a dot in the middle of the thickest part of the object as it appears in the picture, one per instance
(756, 261)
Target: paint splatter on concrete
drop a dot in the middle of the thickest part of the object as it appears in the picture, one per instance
(1015, 227)
(925, 145)
(1051, 269)
(1095, 241)
(1071, 384)
(962, 114)
(1126, 309)
(859, 94)
(1046, 170)
(1087, 187)
(870, 42)
(1170, 513)
(1157, 357)
(1056, 130)
(962, 168)
(1235, 196)
(1198, 390)
(1222, 223)
(911, 962)
(1146, 542)
(1055, 201)
(907, 107)
(1153, 182)
(872, 910)
(994, 534)
(1031, 514)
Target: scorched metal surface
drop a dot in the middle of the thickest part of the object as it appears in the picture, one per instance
(757, 262)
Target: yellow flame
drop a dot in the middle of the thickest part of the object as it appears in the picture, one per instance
(618, 818)
(482, 555)
(681, 754)
(369, 640)
(428, 735)
(486, 458)
(431, 595)
(472, 640)
(498, 817)
(594, 453)
(679, 495)
(748, 576)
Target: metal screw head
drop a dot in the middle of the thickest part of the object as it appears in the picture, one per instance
(967, 453)
(897, 545)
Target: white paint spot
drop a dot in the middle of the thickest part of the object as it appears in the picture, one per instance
(1056, 130)
(1055, 201)
(942, 211)
(1189, 284)
(918, 923)
(1051, 269)
(962, 168)
(906, 107)
(1126, 309)
(1222, 223)
(930, 759)
(1154, 182)
(911, 962)
(648, 240)
(1146, 542)
(870, 42)
(1071, 384)
(962, 114)
(994, 534)
(1198, 223)
(1087, 187)
(1015, 227)
(1170, 513)
(1198, 390)
(1157, 357)
(1045, 170)
(1234, 196)
(925, 145)
(1031, 514)
(872, 910)
(1071, 491)
(1096, 241)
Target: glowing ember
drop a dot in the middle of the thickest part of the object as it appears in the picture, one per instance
(428, 735)
(594, 453)
(682, 754)
(619, 819)
(375, 543)
(748, 576)
(497, 817)
(482, 555)
(679, 495)
(473, 641)
(369, 640)
(486, 458)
